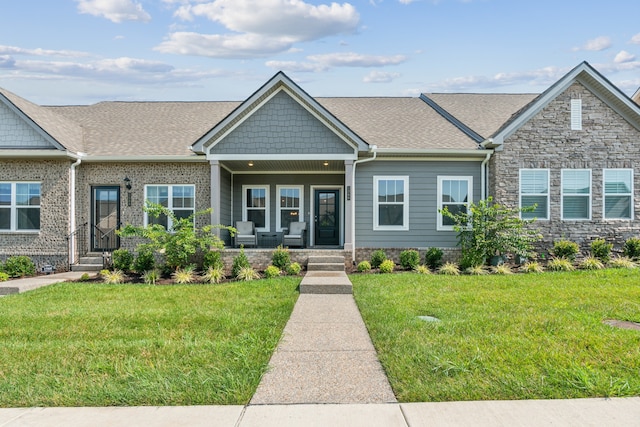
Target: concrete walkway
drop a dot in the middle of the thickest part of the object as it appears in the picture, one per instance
(29, 283)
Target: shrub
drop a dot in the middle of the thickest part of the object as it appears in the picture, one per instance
(364, 266)
(477, 270)
(532, 267)
(560, 264)
(422, 269)
(122, 259)
(565, 249)
(502, 269)
(631, 248)
(294, 269)
(213, 275)
(409, 259)
(591, 263)
(601, 250)
(184, 275)
(85, 277)
(281, 257)
(144, 261)
(377, 257)
(239, 262)
(19, 266)
(212, 259)
(247, 274)
(112, 277)
(387, 266)
(272, 271)
(150, 277)
(3, 276)
(622, 262)
(433, 258)
(449, 269)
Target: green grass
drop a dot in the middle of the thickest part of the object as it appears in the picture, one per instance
(102, 345)
(504, 337)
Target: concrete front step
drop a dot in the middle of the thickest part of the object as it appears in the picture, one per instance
(326, 259)
(325, 282)
(86, 267)
(325, 266)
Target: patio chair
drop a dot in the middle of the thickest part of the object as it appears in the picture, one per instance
(295, 235)
(246, 234)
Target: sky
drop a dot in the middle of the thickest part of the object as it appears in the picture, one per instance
(62, 52)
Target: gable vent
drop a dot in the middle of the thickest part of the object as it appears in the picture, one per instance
(576, 114)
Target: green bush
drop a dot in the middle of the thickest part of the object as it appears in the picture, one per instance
(387, 266)
(122, 259)
(144, 261)
(364, 266)
(565, 249)
(294, 269)
(3, 276)
(239, 262)
(212, 259)
(281, 257)
(19, 266)
(601, 250)
(433, 258)
(272, 272)
(377, 258)
(631, 248)
(409, 259)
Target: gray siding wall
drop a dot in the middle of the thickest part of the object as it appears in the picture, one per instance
(281, 126)
(16, 133)
(225, 203)
(547, 141)
(423, 204)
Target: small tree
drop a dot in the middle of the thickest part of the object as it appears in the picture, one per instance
(489, 229)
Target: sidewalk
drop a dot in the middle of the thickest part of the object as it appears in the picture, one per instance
(29, 283)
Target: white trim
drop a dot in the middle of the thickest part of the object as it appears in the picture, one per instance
(169, 200)
(312, 210)
(283, 157)
(548, 194)
(604, 195)
(13, 208)
(279, 208)
(589, 195)
(441, 178)
(128, 159)
(404, 203)
(267, 206)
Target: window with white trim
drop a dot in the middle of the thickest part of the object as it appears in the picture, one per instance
(290, 205)
(255, 203)
(454, 193)
(391, 203)
(534, 191)
(20, 206)
(179, 199)
(618, 193)
(576, 194)
(576, 114)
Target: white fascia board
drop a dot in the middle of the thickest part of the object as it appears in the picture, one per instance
(283, 157)
(433, 152)
(11, 153)
(195, 159)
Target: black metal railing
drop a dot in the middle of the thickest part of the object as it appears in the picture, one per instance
(104, 241)
(77, 243)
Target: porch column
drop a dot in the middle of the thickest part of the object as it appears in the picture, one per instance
(215, 194)
(348, 205)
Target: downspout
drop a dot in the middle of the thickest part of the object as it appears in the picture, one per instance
(72, 209)
(484, 176)
(373, 149)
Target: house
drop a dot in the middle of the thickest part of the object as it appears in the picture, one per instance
(363, 173)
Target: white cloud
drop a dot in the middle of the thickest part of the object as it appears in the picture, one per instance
(597, 44)
(259, 27)
(14, 50)
(350, 59)
(380, 77)
(7, 61)
(298, 67)
(624, 56)
(635, 39)
(114, 10)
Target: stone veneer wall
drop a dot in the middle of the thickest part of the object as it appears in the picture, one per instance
(260, 259)
(49, 245)
(449, 254)
(547, 141)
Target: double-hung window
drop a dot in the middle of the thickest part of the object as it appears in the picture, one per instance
(255, 203)
(576, 194)
(19, 206)
(391, 203)
(290, 206)
(179, 199)
(454, 193)
(534, 191)
(618, 193)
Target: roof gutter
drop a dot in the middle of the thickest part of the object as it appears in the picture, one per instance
(432, 151)
(170, 158)
(372, 149)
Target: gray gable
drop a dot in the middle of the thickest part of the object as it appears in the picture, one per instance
(281, 126)
(18, 134)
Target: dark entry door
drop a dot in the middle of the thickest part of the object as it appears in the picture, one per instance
(327, 218)
(105, 218)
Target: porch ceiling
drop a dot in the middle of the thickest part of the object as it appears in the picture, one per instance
(284, 166)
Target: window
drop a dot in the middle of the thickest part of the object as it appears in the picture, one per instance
(454, 193)
(391, 203)
(180, 199)
(255, 200)
(576, 114)
(290, 207)
(534, 190)
(19, 206)
(618, 193)
(576, 194)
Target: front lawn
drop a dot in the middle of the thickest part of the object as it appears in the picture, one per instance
(504, 337)
(100, 345)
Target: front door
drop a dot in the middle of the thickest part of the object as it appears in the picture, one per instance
(105, 218)
(327, 218)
